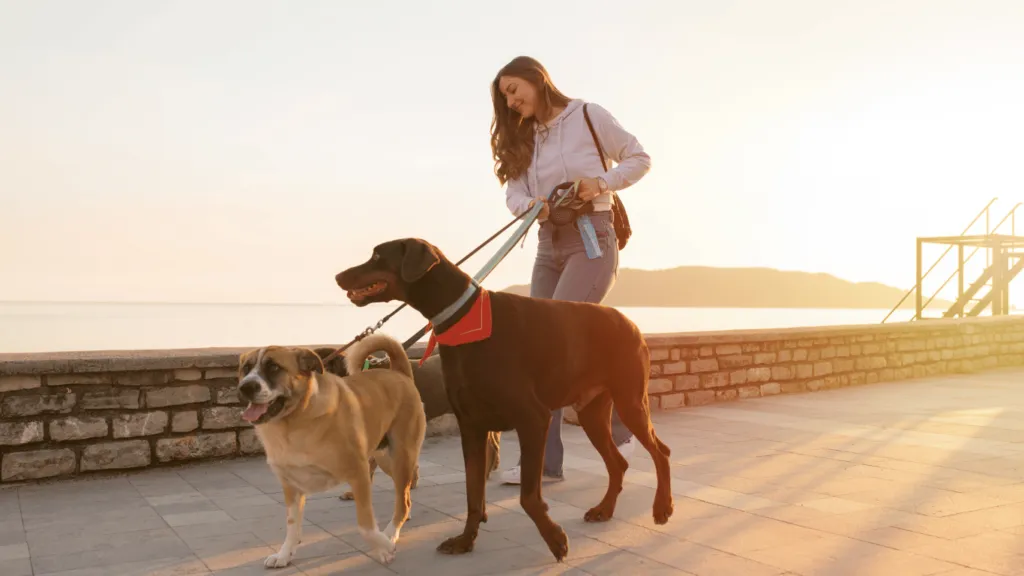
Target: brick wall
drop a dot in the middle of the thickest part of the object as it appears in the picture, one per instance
(71, 413)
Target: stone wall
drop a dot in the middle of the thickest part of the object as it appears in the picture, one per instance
(72, 413)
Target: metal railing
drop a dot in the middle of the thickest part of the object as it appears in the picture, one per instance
(988, 230)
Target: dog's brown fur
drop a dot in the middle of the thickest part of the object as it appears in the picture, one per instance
(541, 355)
(321, 430)
(429, 380)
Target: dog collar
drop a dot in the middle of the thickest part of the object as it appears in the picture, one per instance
(446, 314)
(473, 327)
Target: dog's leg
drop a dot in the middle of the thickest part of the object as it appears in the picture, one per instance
(493, 453)
(373, 467)
(403, 468)
(596, 420)
(533, 433)
(383, 549)
(474, 452)
(296, 502)
(635, 412)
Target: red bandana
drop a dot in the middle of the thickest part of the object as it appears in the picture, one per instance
(473, 327)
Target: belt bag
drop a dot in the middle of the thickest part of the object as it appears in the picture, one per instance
(570, 209)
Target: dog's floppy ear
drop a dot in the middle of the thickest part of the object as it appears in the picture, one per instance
(419, 258)
(308, 361)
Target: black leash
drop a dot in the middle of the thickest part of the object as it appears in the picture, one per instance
(408, 343)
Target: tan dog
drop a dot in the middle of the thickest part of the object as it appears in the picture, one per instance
(318, 431)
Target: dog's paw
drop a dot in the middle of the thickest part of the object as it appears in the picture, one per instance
(391, 533)
(597, 514)
(663, 510)
(383, 555)
(460, 544)
(347, 496)
(558, 543)
(278, 560)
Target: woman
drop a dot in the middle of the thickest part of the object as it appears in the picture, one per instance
(539, 139)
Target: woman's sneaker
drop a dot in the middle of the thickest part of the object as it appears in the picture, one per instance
(514, 476)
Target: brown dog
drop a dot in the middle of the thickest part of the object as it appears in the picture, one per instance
(319, 430)
(429, 379)
(508, 361)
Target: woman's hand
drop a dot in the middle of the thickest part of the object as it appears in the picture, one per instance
(544, 212)
(589, 189)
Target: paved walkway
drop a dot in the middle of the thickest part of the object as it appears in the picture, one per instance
(899, 479)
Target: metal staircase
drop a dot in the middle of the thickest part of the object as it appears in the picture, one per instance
(1001, 250)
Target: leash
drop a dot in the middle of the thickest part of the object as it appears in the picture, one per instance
(507, 247)
(491, 264)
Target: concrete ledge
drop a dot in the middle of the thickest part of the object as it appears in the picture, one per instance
(70, 413)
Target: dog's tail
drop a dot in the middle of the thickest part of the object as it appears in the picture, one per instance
(356, 355)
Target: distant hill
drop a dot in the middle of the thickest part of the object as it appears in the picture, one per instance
(709, 287)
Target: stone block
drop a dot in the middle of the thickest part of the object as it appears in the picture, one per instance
(843, 365)
(735, 361)
(804, 370)
(674, 368)
(196, 447)
(12, 383)
(726, 395)
(659, 354)
(704, 365)
(870, 363)
(78, 379)
(188, 375)
(785, 356)
(714, 380)
(185, 421)
(771, 388)
(700, 397)
(762, 374)
(749, 391)
(728, 349)
(118, 399)
(32, 405)
(738, 377)
(218, 373)
(116, 455)
(37, 464)
(799, 355)
(765, 358)
(687, 382)
(659, 385)
(223, 417)
(226, 395)
(78, 428)
(18, 433)
(707, 351)
(142, 378)
(748, 347)
(793, 387)
(670, 401)
(828, 353)
(249, 442)
(177, 396)
(782, 373)
(139, 424)
(822, 369)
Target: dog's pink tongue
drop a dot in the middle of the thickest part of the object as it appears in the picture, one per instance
(254, 411)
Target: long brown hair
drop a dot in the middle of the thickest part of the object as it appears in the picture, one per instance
(511, 134)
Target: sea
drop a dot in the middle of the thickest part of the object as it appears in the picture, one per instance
(66, 327)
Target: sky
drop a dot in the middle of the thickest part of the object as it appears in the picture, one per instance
(247, 151)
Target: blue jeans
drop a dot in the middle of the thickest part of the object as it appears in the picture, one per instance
(562, 271)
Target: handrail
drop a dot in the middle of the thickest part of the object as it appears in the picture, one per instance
(936, 263)
(973, 252)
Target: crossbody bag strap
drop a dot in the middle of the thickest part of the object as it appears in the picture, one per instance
(593, 134)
